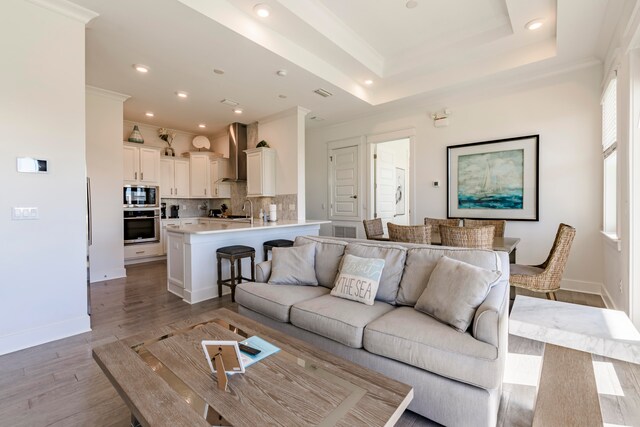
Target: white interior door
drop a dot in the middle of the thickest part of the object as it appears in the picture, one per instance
(344, 183)
(384, 183)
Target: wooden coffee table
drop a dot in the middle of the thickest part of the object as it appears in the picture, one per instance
(164, 379)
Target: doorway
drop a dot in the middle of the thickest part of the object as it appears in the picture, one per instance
(389, 189)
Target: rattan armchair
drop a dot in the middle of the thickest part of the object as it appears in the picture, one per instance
(467, 237)
(409, 233)
(498, 224)
(435, 224)
(546, 277)
(373, 229)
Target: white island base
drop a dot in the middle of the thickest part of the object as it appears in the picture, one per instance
(192, 271)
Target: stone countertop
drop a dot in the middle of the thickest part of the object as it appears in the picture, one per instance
(600, 331)
(231, 226)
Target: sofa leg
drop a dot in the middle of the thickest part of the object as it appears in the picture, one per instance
(552, 296)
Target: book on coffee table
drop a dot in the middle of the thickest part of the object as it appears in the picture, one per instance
(266, 349)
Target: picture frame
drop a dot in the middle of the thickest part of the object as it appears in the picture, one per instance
(496, 179)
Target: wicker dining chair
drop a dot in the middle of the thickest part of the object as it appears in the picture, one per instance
(435, 224)
(409, 233)
(467, 237)
(498, 224)
(373, 228)
(546, 277)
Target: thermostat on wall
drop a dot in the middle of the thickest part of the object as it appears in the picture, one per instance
(31, 165)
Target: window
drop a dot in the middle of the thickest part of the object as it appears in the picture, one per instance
(610, 158)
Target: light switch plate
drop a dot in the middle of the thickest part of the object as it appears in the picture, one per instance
(18, 213)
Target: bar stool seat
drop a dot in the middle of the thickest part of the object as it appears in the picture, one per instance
(277, 243)
(235, 254)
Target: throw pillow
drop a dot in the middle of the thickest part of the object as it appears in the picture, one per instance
(358, 279)
(455, 291)
(294, 266)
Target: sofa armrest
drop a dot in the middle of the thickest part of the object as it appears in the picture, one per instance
(490, 320)
(263, 271)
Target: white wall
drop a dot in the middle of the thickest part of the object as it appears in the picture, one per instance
(285, 132)
(43, 262)
(104, 168)
(563, 109)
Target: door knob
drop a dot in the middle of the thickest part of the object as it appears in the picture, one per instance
(354, 197)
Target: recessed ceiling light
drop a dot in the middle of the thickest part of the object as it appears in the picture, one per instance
(141, 68)
(262, 10)
(281, 73)
(218, 71)
(368, 82)
(282, 96)
(182, 94)
(411, 4)
(535, 24)
(202, 126)
(148, 114)
(237, 110)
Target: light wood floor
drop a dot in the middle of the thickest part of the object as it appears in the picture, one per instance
(59, 384)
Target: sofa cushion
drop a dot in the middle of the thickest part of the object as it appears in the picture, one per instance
(275, 301)
(394, 257)
(421, 262)
(455, 291)
(336, 318)
(294, 266)
(328, 256)
(433, 346)
(358, 279)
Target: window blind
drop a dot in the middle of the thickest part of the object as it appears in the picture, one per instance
(609, 116)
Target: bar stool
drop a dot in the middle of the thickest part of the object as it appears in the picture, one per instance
(278, 243)
(234, 254)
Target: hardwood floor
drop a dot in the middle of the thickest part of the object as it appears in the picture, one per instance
(59, 384)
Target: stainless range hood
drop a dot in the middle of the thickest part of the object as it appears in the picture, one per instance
(237, 134)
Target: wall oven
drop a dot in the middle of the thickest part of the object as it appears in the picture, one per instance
(141, 226)
(140, 196)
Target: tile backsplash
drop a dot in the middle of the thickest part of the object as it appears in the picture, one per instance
(191, 207)
(283, 202)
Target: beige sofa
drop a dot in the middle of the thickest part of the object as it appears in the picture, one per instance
(457, 377)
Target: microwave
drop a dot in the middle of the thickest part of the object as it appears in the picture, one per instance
(140, 196)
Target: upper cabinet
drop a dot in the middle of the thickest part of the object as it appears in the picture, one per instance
(200, 175)
(218, 170)
(261, 172)
(141, 165)
(174, 177)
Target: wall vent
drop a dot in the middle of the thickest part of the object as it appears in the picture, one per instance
(323, 92)
(343, 231)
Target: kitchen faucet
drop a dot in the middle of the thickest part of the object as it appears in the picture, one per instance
(250, 206)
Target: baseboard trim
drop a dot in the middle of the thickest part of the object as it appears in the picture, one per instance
(608, 301)
(110, 274)
(44, 334)
(581, 286)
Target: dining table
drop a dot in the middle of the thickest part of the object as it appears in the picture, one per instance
(500, 244)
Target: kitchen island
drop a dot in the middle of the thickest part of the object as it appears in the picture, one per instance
(192, 271)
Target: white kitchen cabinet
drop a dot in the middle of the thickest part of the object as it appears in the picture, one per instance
(218, 170)
(261, 172)
(164, 223)
(141, 165)
(200, 181)
(144, 250)
(174, 177)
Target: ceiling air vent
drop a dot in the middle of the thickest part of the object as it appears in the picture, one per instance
(316, 118)
(323, 93)
(230, 102)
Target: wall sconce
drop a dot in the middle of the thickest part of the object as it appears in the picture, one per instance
(441, 119)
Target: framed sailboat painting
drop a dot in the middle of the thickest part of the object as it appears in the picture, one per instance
(494, 179)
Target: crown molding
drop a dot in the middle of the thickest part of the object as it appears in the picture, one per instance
(107, 93)
(68, 9)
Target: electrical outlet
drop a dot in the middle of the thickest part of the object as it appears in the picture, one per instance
(620, 285)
